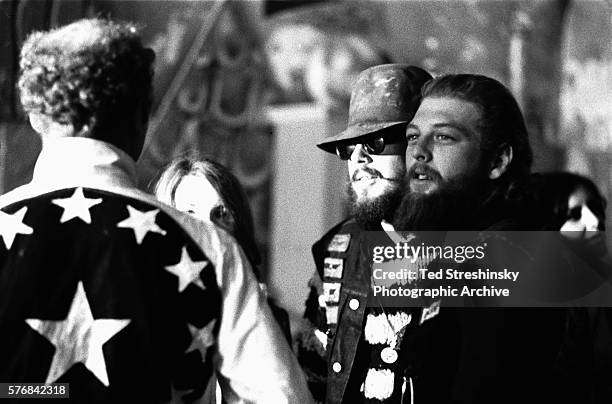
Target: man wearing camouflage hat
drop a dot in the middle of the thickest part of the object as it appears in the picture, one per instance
(333, 352)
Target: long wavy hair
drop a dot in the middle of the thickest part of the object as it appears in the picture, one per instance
(227, 186)
(501, 123)
(546, 195)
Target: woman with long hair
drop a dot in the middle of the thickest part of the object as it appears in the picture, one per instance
(209, 191)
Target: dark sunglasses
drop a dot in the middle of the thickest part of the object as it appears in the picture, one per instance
(389, 143)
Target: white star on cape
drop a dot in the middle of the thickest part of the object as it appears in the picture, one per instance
(11, 225)
(76, 206)
(188, 271)
(78, 338)
(141, 223)
(202, 338)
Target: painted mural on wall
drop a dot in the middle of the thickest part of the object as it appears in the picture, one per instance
(210, 81)
(457, 36)
(315, 52)
(586, 96)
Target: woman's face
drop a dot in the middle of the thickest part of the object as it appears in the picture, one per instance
(196, 195)
(582, 222)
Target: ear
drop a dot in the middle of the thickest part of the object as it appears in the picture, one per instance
(38, 123)
(46, 126)
(501, 162)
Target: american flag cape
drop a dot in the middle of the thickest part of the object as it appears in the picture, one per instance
(107, 293)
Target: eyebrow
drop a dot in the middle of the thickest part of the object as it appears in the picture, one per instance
(457, 126)
(461, 128)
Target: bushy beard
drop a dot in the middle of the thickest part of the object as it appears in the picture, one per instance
(369, 212)
(451, 207)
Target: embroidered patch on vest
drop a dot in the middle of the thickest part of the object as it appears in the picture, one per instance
(339, 243)
(321, 337)
(381, 330)
(322, 301)
(378, 384)
(331, 313)
(332, 267)
(331, 291)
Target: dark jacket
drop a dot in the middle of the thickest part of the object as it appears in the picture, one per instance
(469, 355)
(330, 370)
(585, 360)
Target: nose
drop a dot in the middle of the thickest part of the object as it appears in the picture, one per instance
(360, 155)
(419, 150)
(588, 219)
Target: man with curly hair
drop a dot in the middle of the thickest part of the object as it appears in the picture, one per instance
(102, 286)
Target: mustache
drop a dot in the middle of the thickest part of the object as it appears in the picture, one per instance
(423, 169)
(367, 170)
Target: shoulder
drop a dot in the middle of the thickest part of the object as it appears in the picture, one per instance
(213, 241)
(342, 233)
(130, 206)
(16, 195)
(338, 244)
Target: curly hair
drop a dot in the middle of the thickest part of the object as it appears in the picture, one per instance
(93, 72)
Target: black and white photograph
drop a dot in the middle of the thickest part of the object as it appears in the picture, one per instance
(306, 201)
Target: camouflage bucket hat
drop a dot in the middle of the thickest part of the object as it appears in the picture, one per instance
(383, 96)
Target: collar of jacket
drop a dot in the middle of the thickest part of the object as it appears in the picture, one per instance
(71, 162)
